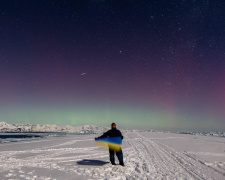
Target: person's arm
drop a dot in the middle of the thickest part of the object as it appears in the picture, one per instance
(106, 134)
(120, 134)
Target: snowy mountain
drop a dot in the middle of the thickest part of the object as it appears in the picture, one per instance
(86, 129)
(5, 127)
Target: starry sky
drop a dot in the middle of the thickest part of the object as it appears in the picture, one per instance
(142, 64)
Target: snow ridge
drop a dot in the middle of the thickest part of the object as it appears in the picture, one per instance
(5, 127)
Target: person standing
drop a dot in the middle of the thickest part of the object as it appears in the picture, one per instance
(114, 132)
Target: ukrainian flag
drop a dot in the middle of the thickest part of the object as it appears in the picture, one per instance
(114, 143)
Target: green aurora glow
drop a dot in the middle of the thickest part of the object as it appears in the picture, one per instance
(124, 116)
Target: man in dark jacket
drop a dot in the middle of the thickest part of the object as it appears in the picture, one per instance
(113, 132)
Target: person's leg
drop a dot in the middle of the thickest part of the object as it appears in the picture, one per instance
(119, 155)
(111, 156)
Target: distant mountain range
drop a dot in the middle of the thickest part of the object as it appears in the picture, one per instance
(86, 129)
(5, 127)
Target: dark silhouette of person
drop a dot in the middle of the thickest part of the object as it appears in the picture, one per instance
(114, 132)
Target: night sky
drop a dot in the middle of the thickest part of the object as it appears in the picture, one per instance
(142, 64)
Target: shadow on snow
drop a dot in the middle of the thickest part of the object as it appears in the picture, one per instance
(92, 162)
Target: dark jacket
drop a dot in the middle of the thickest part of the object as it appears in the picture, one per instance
(113, 133)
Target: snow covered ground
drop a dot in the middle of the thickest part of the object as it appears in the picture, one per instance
(147, 155)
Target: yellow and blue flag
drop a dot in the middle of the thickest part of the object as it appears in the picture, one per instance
(114, 143)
